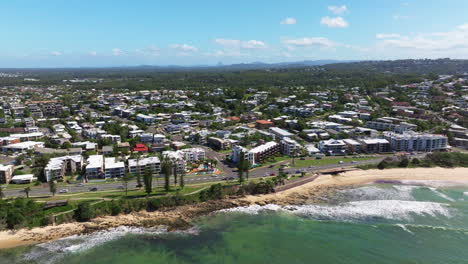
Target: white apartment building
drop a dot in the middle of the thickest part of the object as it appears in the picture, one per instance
(138, 167)
(290, 147)
(280, 133)
(113, 169)
(57, 167)
(257, 154)
(412, 141)
(95, 167)
(193, 154)
(332, 147)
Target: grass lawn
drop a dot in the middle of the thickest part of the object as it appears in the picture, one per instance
(324, 161)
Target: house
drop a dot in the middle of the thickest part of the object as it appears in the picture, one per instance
(22, 146)
(140, 148)
(263, 124)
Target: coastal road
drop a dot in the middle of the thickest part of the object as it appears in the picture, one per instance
(159, 181)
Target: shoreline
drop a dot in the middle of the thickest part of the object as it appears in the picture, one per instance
(180, 217)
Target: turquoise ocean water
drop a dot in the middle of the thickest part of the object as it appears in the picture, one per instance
(371, 224)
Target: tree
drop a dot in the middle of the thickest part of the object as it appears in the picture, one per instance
(84, 212)
(53, 187)
(166, 168)
(404, 162)
(382, 165)
(148, 181)
(2, 194)
(182, 180)
(27, 190)
(126, 179)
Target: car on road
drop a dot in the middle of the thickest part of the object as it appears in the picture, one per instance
(214, 176)
(340, 162)
(353, 161)
(94, 189)
(120, 187)
(80, 184)
(271, 166)
(298, 171)
(272, 174)
(63, 191)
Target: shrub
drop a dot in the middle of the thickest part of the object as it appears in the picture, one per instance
(84, 212)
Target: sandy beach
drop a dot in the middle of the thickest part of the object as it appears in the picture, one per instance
(180, 217)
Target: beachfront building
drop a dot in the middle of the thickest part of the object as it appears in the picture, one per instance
(375, 145)
(352, 145)
(113, 169)
(58, 167)
(193, 154)
(6, 173)
(95, 167)
(139, 166)
(257, 154)
(177, 158)
(290, 147)
(332, 147)
(412, 141)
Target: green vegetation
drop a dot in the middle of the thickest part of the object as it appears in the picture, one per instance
(436, 159)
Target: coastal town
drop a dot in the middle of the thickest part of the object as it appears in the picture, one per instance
(81, 139)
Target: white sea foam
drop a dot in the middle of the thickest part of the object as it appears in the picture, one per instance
(465, 193)
(404, 228)
(59, 248)
(357, 210)
(396, 192)
(442, 195)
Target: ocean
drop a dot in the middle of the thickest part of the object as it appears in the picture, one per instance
(372, 224)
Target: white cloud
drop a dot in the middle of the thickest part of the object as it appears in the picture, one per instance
(338, 10)
(56, 53)
(117, 52)
(319, 42)
(452, 43)
(387, 36)
(92, 53)
(184, 48)
(288, 21)
(334, 22)
(400, 17)
(238, 44)
(151, 50)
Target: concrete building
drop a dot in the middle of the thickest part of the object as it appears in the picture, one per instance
(290, 147)
(280, 133)
(375, 145)
(217, 143)
(95, 167)
(113, 169)
(6, 173)
(193, 154)
(257, 154)
(138, 167)
(58, 167)
(352, 145)
(412, 141)
(332, 147)
(22, 146)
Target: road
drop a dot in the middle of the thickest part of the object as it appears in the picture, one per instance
(159, 181)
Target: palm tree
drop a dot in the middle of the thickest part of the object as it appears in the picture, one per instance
(26, 191)
(148, 181)
(2, 194)
(166, 168)
(182, 181)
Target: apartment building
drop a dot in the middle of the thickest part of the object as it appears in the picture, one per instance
(113, 169)
(217, 143)
(95, 167)
(332, 147)
(193, 154)
(374, 145)
(6, 173)
(390, 124)
(58, 167)
(138, 167)
(290, 147)
(257, 154)
(280, 133)
(412, 141)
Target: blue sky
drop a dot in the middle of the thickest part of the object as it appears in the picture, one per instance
(71, 33)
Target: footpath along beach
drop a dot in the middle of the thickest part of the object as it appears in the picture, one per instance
(180, 217)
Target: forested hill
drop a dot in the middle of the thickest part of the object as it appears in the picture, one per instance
(424, 66)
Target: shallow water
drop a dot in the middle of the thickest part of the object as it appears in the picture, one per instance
(371, 224)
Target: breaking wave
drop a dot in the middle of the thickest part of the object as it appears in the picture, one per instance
(53, 251)
(357, 210)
